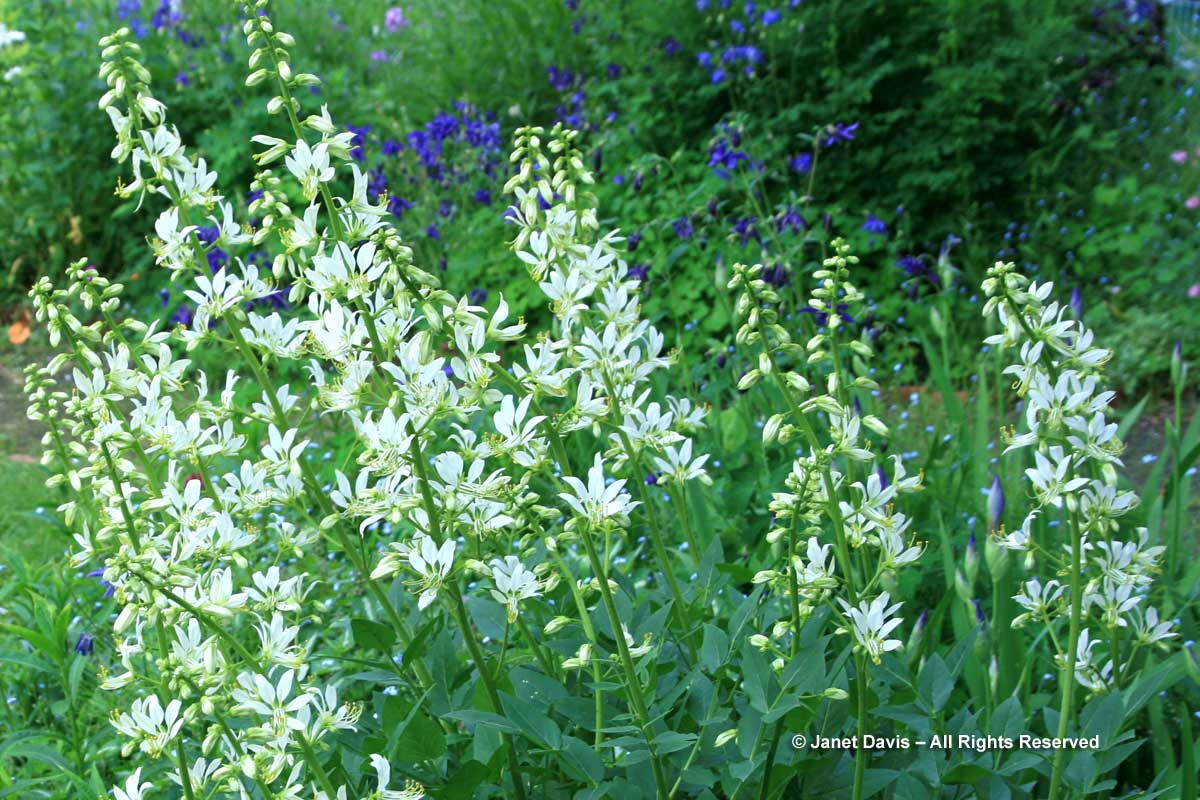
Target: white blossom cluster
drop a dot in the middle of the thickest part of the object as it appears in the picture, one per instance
(199, 500)
(840, 533)
(1103, 574)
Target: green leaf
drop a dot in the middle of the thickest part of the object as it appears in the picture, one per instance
(371, 634)
(485, 718)
(965, 773)
(713, 648)
(935, 683)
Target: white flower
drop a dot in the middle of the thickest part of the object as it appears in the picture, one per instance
(10, 35)
(597, 502)
(310, 166)
(679, 465)
(383, 770)
(514, 583)
(869, 625)
(1049, 477)
(1038, 601)
(432, 564)
(134, 788)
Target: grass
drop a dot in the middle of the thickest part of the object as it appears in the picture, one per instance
(28, 530)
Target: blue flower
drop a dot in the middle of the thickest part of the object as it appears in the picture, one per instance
(671, 45)
(705, 59)
(477, 296)
(745, 230)
(839, 132)
(683, 228)
(770, 17)
(801, 163)
(398, 205)
(109, 589)
(790, 219)
(85, 645)
(359, 140)
(875, 225)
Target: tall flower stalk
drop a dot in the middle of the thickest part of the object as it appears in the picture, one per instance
(838, 533)
(1057, 372)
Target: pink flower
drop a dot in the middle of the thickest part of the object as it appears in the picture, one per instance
(1192, 202)
(395, 20)
(1194, 290)
(1180, 156)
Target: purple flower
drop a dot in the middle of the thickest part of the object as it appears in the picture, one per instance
(391, 147)
(560, 79)
(639, 272)
(394, 20)
(745, 229)
(1077, 303)
(718, 75)
(875, 225)
(790, 219)
(109, 589)
(801, 163)
(915, 267)
(398, 205)
(770, 17)
(839, 132)
(683, 228)
(705, 59)
(433, 233)
(632, 242)
(379, 55)
(614, 71)
(359, 140)
(650, 480)
(477, 296)
(671, 46)
(483, 197)
(182, 79)
(85, 645)
(724, 158)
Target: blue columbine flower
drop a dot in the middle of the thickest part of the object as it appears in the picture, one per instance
(770, 17)
(109, 589)
(633, 241)
(801, 163)
(683, 227)
(875, 225)
(671, 46)
(745, 229)
(85, 645)
(839, 132)
(359, 140)
(790, 219)
(477, 296)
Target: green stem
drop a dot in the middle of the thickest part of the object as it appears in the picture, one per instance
(860, 752)
(632, 685)
(460, 613)
(1068, 670)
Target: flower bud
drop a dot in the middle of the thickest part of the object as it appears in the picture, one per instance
(995, 505)
(834, 693)
(971, 560)
(724, 737)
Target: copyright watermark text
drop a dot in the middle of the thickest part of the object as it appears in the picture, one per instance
(962, 741)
